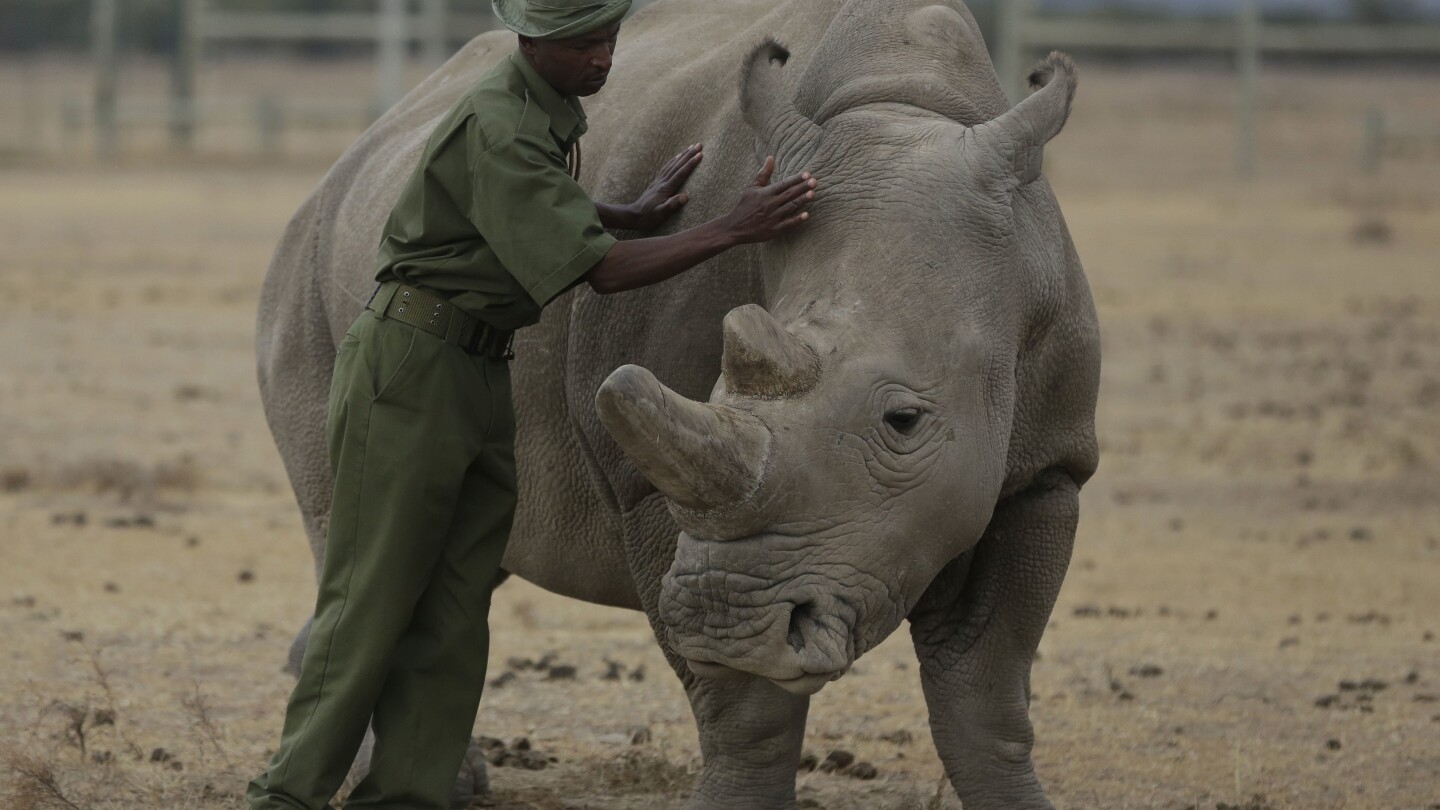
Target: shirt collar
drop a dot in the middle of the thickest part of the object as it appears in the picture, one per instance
(567, 117)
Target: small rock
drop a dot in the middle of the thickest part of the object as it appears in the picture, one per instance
(1289, 641)
(637, 674)
(640, 735)
(900, 737)
(1361, 534)
(102, 717)
(531, 760)
(489, 745)
(502, 679)
(101, 757)
(160, 755)
(519, 664)
(1326, 701)
(246, 576)
(1212, 615)
(192, 542)
(837, 760)
(111, 587)
(613, 669)
(23, 601)
(562, 672)
(861, 770)
(1147, 671)
(72, 635)
(520, 744)
(809, 762)
(1372, 231)
(1333, 745)
(1413, 677)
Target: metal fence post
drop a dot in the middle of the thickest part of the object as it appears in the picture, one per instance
(390, 70)
(183, 65)
(1372, 141)
(1013, 14)
(268, 122)
(437, 42)
(103, 48)
(1248, 62)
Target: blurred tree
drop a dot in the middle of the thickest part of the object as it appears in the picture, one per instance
(144, 24)
(1385, 11)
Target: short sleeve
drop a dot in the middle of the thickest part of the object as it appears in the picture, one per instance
(541, 225)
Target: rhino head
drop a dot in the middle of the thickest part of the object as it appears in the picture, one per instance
(856, 441)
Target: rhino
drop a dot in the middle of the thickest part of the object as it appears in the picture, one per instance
(783, 454)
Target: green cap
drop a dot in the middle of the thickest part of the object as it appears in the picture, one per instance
(558, 19)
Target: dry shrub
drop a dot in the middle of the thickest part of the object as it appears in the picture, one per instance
(14, 479)
(32, 784)
(637, 771)
(127, 480)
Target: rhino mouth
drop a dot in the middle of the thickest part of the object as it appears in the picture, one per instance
(799, 634)
(804, 686)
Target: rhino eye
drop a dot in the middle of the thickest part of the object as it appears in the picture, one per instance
(903, 419)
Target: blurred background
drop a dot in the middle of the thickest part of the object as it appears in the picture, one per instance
(1249, 620)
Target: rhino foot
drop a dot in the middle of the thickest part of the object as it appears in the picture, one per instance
(473, 781)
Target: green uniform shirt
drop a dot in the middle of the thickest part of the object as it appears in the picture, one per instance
(491, 218)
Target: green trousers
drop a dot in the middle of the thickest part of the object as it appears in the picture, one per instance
(422, 441)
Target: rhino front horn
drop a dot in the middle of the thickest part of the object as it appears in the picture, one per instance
(701, 456)
(763, 359)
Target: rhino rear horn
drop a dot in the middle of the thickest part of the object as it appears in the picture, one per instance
(1019, 136)
(763, 359)
(769, 108)
(701, 456)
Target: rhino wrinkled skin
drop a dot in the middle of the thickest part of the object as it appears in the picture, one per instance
(782, 454)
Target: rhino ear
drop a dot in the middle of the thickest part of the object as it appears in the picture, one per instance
(781, 129)
(1019, 136)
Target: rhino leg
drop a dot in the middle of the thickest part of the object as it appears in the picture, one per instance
(472, 783)
(751, 731)
(975, 632)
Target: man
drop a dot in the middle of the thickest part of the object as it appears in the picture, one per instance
(490, 228)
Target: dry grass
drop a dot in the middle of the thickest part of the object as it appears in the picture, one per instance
(1260, 542)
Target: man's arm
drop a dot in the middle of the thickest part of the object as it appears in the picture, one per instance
(764, 212)
(617, 217)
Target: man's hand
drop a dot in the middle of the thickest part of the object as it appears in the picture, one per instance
(663, 198)
(765, 211)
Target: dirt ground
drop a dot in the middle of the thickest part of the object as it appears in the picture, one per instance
(1249, 621)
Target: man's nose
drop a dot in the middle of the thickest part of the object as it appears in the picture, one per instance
(601, 60)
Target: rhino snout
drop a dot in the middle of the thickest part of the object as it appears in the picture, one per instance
(794, 632)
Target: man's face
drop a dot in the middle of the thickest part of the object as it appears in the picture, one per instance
(577, 66)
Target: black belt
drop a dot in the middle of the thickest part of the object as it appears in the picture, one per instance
(428, 312)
